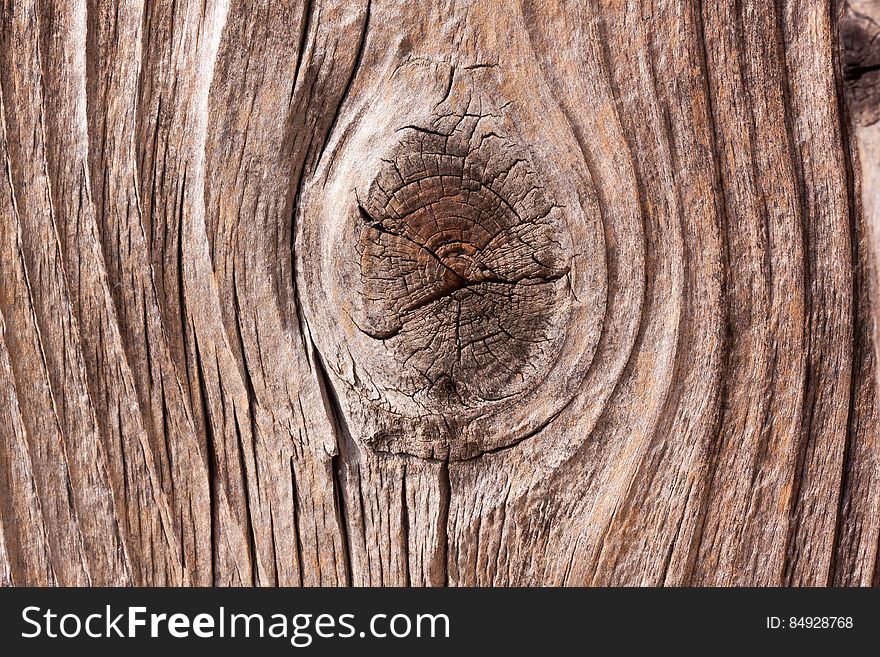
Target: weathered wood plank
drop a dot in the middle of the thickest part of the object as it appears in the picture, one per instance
(319, 292)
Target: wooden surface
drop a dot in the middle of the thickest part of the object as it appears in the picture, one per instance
(457, 292)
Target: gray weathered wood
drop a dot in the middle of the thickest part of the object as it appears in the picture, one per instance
(385, 292)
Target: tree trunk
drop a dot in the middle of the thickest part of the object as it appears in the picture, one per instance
(368, 292)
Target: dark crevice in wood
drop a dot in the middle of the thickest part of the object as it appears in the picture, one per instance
(404, 527)
(211, 457)
(301, 156)
(337, 420)
(248, 505)
(296, 506)
(275, 558)
(304, 337)
(448, 89)
(355, 67)
(443, 554)
(306, 22)
(857, 258)
(853, 73)
(342, 518)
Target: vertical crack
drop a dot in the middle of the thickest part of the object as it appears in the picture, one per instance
(296, 504)
(443, 521)
(340, 430)
(211, 456)
(355, 67)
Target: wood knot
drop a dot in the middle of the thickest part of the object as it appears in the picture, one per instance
(463, 263)
(454, 281)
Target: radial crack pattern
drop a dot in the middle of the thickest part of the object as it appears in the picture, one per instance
(463, 268)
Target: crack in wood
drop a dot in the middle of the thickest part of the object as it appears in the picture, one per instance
(460, 263)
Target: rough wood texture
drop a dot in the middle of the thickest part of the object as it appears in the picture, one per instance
(377, 292)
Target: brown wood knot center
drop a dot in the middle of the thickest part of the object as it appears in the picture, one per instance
(464, 260)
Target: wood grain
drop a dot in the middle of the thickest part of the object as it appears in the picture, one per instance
(385, 292)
